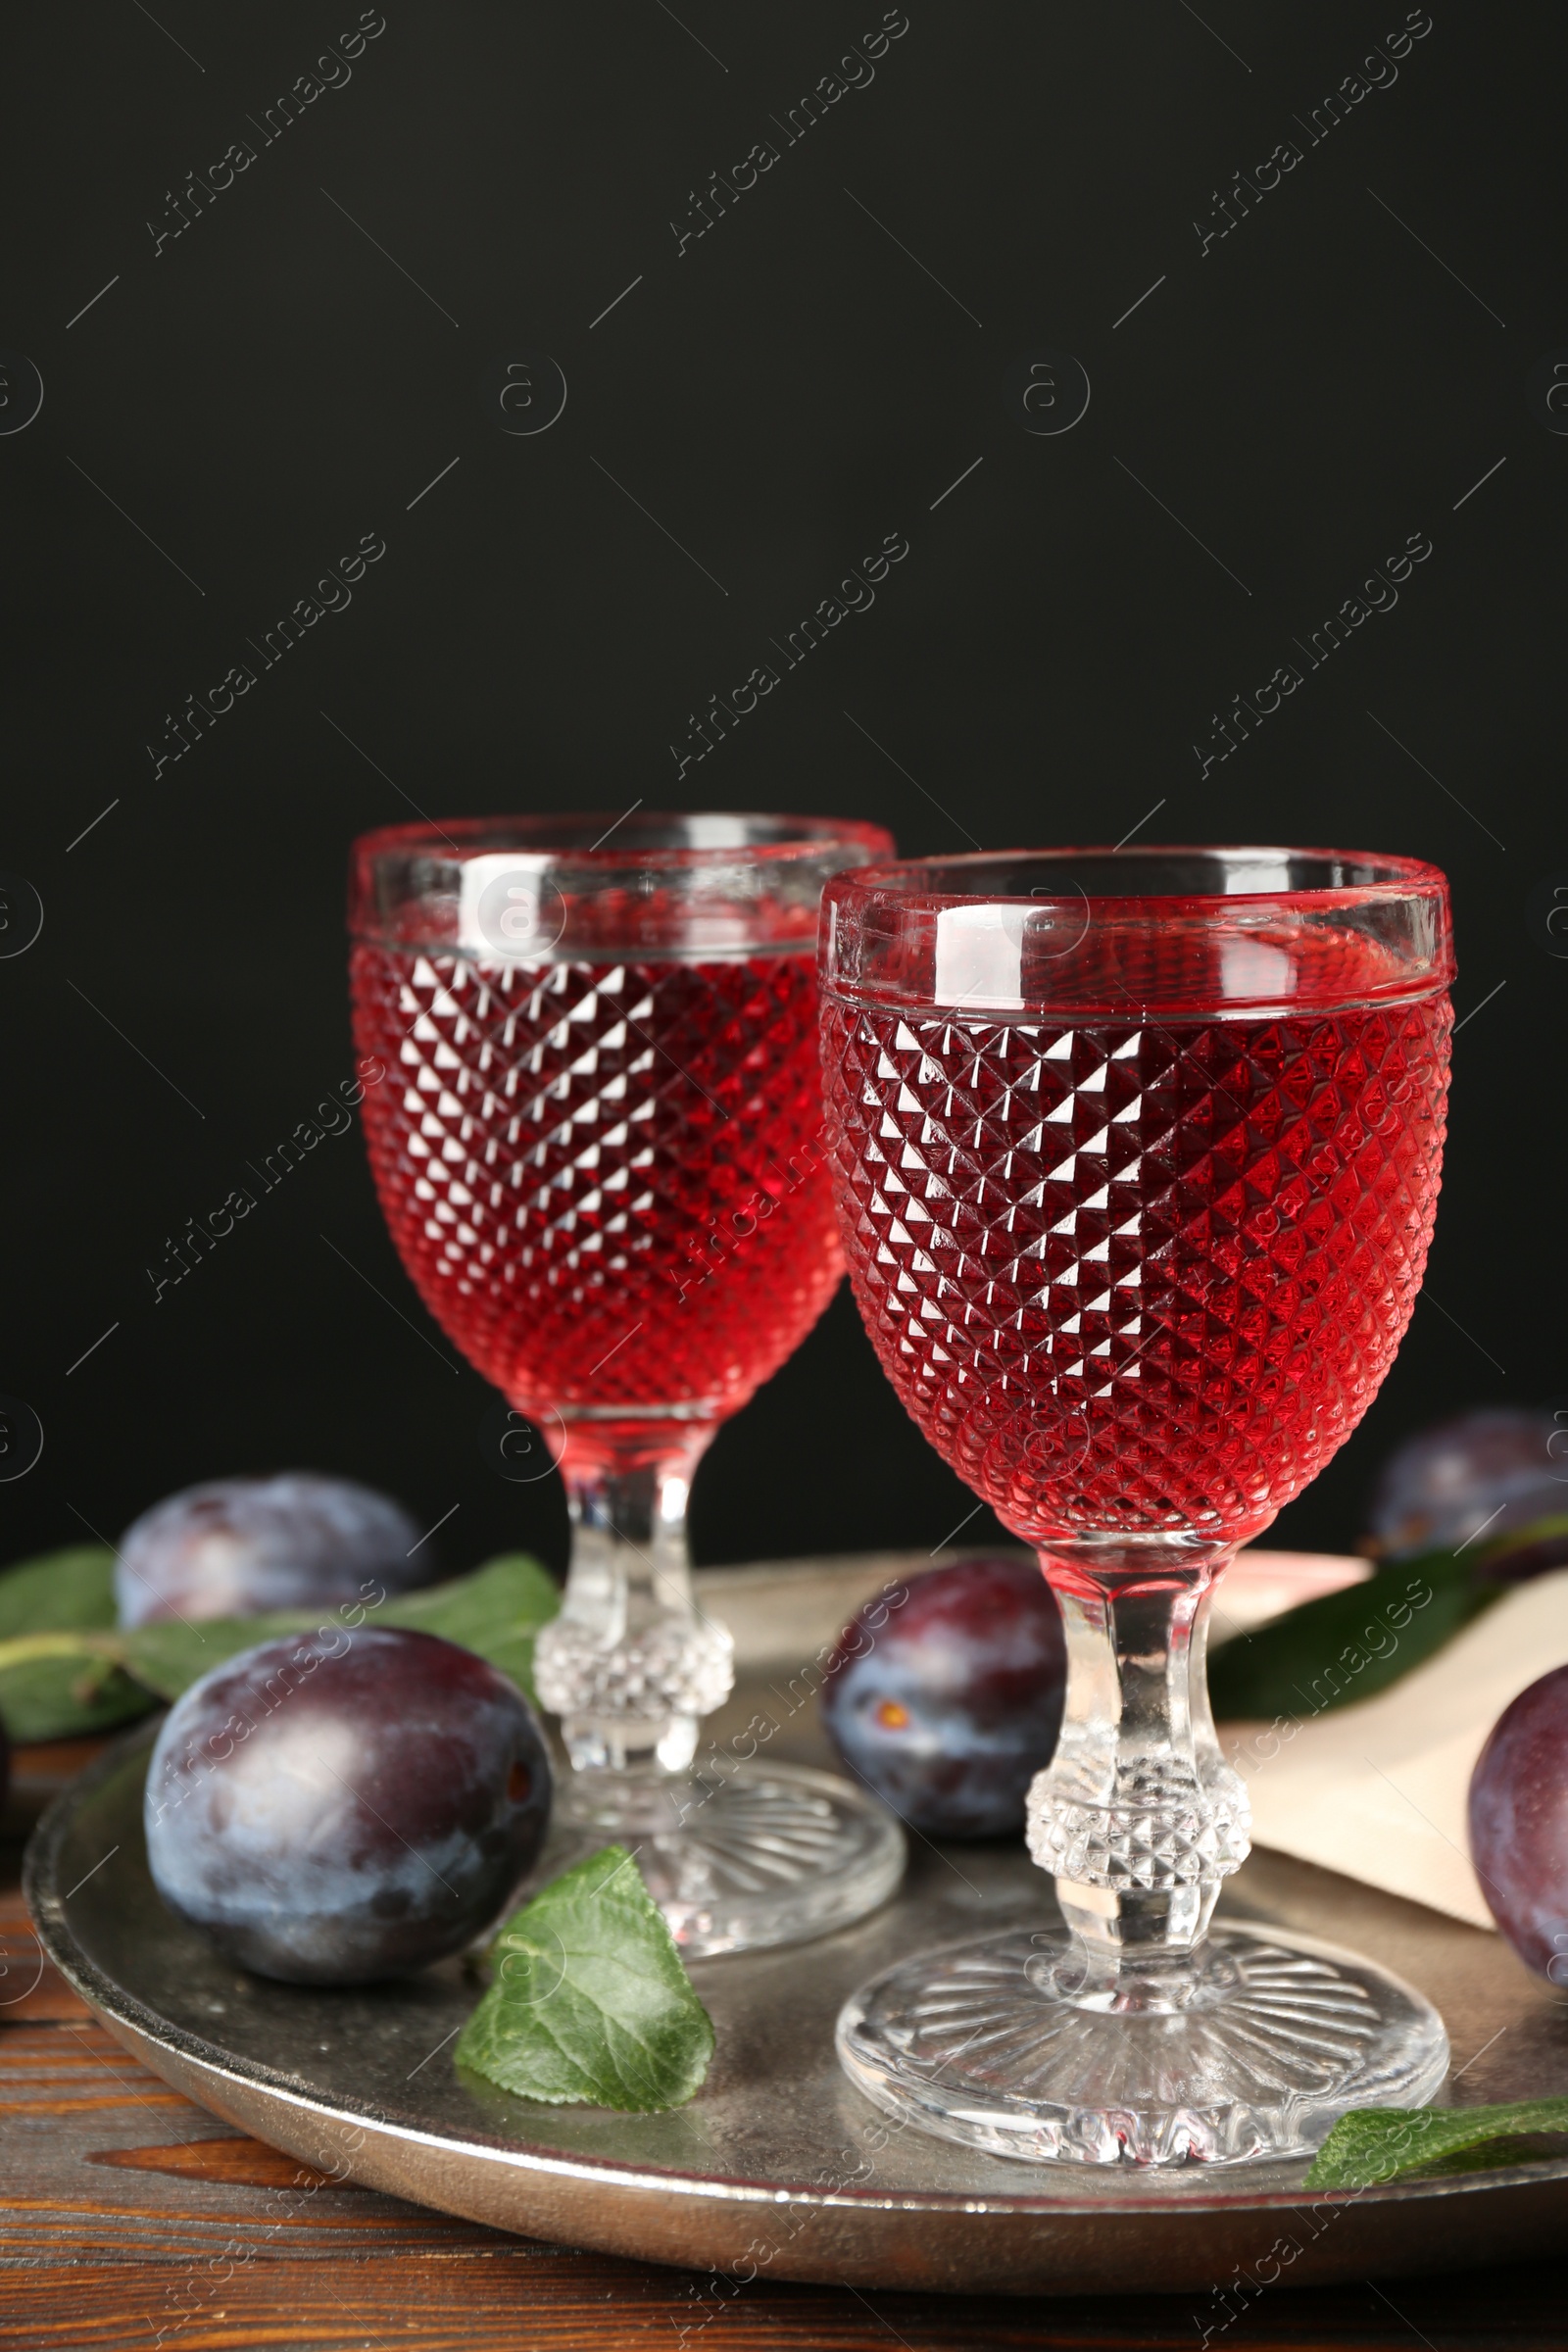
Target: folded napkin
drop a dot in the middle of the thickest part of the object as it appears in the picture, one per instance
(1379, 1790)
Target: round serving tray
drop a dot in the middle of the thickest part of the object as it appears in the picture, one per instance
(779, 2168)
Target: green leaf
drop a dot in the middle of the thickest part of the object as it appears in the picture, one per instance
(590, 2004)
(66, 1684)
(1372, 2144)
(69, 1588)
(171, 1655)
(496, 1611)
(1350, 1644)
(65, 1673)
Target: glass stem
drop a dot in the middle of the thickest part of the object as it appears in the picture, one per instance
(1138, 1817)
(629, 1665)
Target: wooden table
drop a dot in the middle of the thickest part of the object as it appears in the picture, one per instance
(131, 2220)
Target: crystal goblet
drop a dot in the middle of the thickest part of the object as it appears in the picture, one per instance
(1136, 1156)
(599, 1153)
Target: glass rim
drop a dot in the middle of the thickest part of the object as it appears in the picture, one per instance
(621, 840)
(1208, 931)
(1392, 877)
(544, 887)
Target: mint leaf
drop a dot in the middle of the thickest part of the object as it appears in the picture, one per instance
(1372, 2144)
(70, 1588)
(496, 1611)
(590, 2004)
(1351, 1644)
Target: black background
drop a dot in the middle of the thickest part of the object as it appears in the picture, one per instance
(780, 395)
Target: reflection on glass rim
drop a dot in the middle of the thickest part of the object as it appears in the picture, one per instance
(625, 838)
(1181, 871)
(641, 884)
(1162, 933)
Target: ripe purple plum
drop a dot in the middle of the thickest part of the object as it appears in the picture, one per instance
(948, 1702)
(340, 1808)
(241, 1546)
(1496, 1469)
(1519, 1824)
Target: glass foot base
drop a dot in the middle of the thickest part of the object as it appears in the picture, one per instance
(1281, 2036)
(760, 1856)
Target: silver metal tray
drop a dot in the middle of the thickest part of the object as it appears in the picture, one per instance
(778, 2168)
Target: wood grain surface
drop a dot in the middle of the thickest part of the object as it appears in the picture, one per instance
(131, 2220)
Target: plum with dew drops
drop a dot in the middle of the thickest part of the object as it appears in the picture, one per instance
(241, 1546)
(1519, 1825)
(948, 1702)
(339, 1808)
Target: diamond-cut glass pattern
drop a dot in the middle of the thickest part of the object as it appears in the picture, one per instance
(606, 1180)
(1131, 1279)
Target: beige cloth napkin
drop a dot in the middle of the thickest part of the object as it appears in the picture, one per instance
(1379, 1791)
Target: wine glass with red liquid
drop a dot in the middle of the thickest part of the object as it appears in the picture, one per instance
(598, 1149)
(1136, 1156)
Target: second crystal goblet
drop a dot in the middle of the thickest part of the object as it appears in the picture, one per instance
(1137, 1158)
(598, 1151)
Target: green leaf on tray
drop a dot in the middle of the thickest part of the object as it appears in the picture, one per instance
(57, 1680)
(496, 1611)
(1373, 2144)
(591, 2004)
(70, 1588)
(1351, 1644)
(66, 1670)
(66, 1685)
